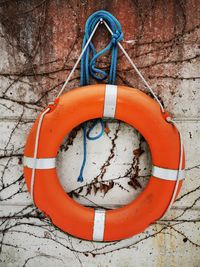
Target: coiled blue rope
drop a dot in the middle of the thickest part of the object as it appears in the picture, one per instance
(88, 67)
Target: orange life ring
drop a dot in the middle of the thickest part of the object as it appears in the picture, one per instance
(134, 108)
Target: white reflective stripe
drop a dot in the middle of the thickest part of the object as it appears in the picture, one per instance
(44, 163)
(110, 101)
(99, 224)
(167, 174)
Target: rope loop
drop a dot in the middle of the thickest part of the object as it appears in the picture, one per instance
(89, 59)
(89, 137)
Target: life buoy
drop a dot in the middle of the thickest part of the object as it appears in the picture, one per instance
(134, 108)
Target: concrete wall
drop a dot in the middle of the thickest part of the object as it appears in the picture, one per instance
(39, 43)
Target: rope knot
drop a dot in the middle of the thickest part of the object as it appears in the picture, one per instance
(116, 37)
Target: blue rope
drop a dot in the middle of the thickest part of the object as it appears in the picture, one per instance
(88, 67)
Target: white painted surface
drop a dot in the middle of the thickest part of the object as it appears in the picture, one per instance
(42, 163)
(167, 174)
(110, 101)
(99, 224)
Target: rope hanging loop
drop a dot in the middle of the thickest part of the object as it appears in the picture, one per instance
(88, 67)
(88, 61)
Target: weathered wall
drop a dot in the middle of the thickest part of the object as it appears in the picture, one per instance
(39, 43)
